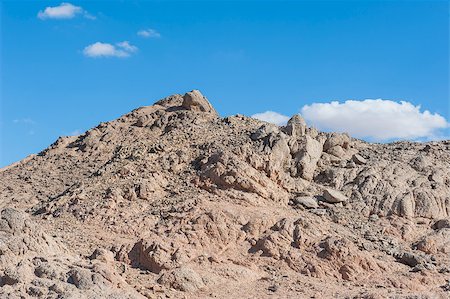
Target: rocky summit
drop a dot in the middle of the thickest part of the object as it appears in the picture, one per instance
(173, 201)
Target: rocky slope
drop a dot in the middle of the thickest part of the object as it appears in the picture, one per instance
(173, 201)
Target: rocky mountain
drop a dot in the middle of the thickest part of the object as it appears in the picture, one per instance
(173, 201)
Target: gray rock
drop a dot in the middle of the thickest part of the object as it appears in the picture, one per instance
(336, 139)
(334, 196)
(441, 223)
(306, 159)
(81, 278)
(306, 201)
(264, 131)
(358, 159)
(296, 126)
(337, 151)
(409, 259)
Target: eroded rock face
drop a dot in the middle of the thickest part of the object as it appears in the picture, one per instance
(307, 157)
(296, 126)
(224, 171)
(195, 101)
(172, 200)
(33, 263)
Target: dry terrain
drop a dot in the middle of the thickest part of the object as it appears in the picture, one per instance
(173, 201)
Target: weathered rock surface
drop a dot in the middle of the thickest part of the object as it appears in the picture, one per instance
(34, 264)
(306, 201)
(195, 101)
(296, 126)
(333, 196)
(171, 200)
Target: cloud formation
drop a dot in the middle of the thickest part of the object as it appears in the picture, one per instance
(126, 46)
(376, 120)
(63, 11)
(149, 33)
(99, 49)
(272, 117)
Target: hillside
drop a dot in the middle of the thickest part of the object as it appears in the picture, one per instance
(173, 201)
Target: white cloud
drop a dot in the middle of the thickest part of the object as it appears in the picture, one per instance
(272, 117)
(149, 33)
(89, 16)
(98, 49)
(63, 11)
(377, 120)
(127, 46)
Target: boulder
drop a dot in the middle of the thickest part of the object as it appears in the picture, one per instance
(182, 279)
(195, 101)
(336, 139)
(409, 258)
(306, 201)
(358, 159)
(442, 223)
(296, 126)
(264, 131)
(334, 196)
(337, 151)
(307, 158)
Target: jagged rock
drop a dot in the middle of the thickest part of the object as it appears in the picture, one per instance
(347, 258)
(265, 131)
(195, 101)
(296, 126)
(334, 196)
(153, 256)
(30, 256)
(306, 158)
(224, 171)
(277, 242)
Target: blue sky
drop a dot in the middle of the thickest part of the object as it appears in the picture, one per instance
(246, 57)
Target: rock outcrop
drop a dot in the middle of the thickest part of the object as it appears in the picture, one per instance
(33, 264)
(195, 101)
